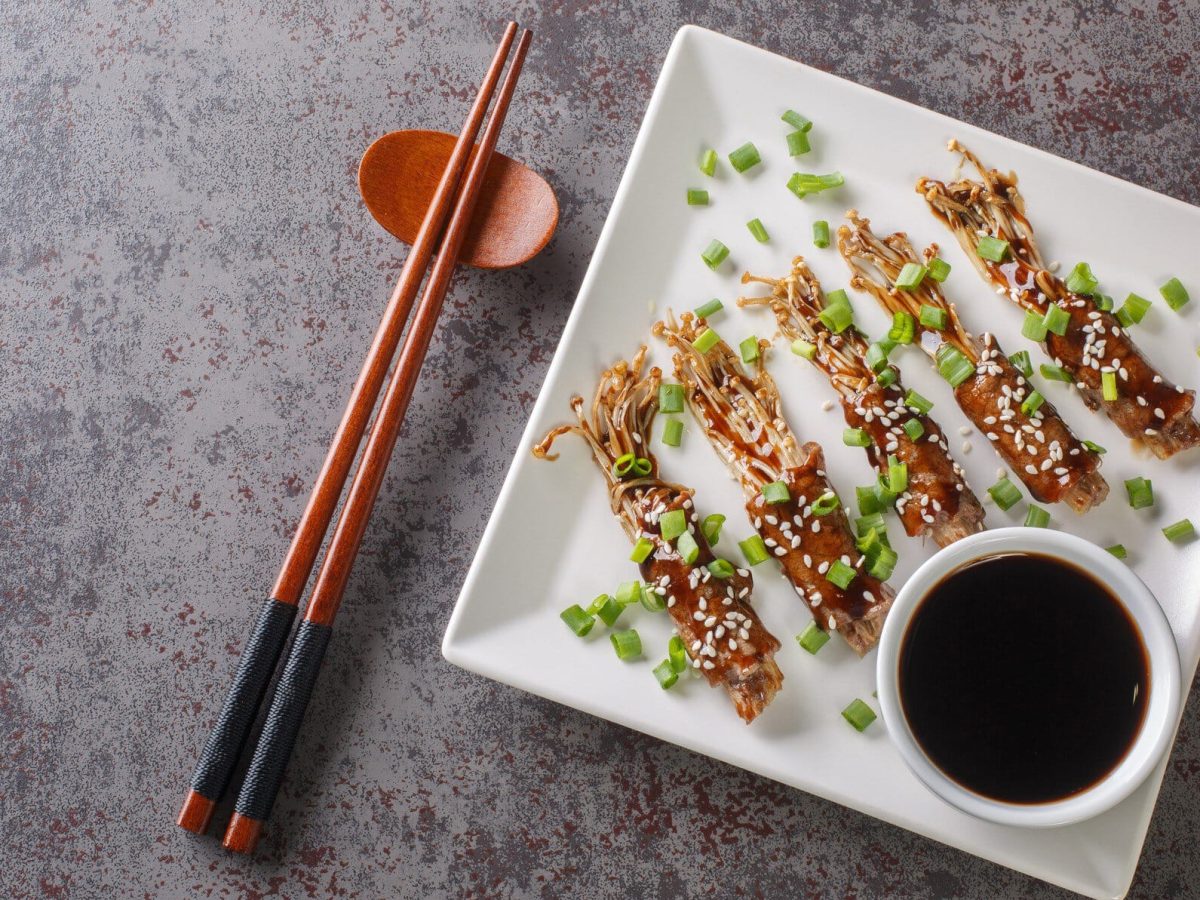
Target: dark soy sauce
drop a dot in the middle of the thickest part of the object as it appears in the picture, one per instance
(1023, 678)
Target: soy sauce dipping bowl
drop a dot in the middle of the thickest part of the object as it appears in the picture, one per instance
(1162, 709)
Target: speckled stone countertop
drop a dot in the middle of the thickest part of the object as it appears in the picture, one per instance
(188, 281)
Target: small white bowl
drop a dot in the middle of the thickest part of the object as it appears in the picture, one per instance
(1162, 710)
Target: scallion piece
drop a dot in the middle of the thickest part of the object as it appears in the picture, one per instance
(642, 466)
(911, 276)
(797, 121)
(1036, 517)
(666, 675)
(859, 715)
(953, 365)
(1133, 310)
(651, 599)
(1034, 327)
(672, 433)
(886, 496)
(709, 309)
(609, 611)
(708, 162)
(577, 619)
(1108, 386)
(749, 349)
(670, 398)
(776, 492)
(754, 550)
(813, 638)
(868, 500)
(711, 527)
(1082, 281)
(802, 184)
(628, 593)
(840, 574)
(939, 269)
(627, 643)
(903, 328)
(821, 234)
(917, 403)
(914, 429)
(865, 525)
(797, 143)
(804, 348)
(882, 562)
(1140, 491)
(623, 465)
(1056, 319)
(745, 157)
(1022, 362)
(1103, 302)
(676, 653)
(721, 568)
(1118, 550)
(837, 314)
(887, 377)
(595, 605)
(642, 550)
(992, 249)
(1174, 293)
(706, 341)
(856, 437)
(672, 524)
(1094, 447)
(696, 197)
(825, 504)
(714, 254)
(1181, 531)
(877, 356)
(687, 548)
(1005, 493)
(1055, 373)
(758, 230)
(933, 317)
(897, 475)
(1032, 403)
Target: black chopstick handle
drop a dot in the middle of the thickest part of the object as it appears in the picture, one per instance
(278, 737)
(254, 671)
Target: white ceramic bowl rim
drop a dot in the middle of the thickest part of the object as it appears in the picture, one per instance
(1162, 711)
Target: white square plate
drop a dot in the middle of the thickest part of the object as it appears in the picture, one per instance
(552, 541)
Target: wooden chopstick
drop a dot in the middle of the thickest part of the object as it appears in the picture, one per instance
(295, 686)
(261, 653)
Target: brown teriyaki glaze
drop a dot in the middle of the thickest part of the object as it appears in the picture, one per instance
(1023, 678)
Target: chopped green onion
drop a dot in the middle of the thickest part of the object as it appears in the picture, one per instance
(749, 349)
(642, 550)
(721, 568)
(1183, 530)
(1103, 302)
(914, 429)
(676, 654)
(1032, 403)
(804, 348)
(697, 197)
(577, 619)
(876, 356)
(821, 234)
(868, 500)
(813, 638)
(758, 230)
(706, 341)
(670, 398)
(595, 605)
(642, 466)
(627, 643)
(887, 377)
(801, 184)
(865, 525)
(859, 715)
(932, 317)
(911, 276)
(1036, 517)
(1034, 327)
(903, 328)
(1022, 362)
(1140, 491)
(1108, 386)
(624, 464)
(1118, 550)
(708, 162)
(672, 433)
(897, 475)
(776, 492)
(628, 593)
(953, 365)
(666, 674)
(687, 548)
(1174, 293)
(837, 314)
(1133, 310)
(609, 611)
(797, 121)
(939, 269)
(992, 249)
(856, 437)
(745, 157)
(652, 600)
(1055, 373)
(1094, 447)
(754, 550)
(1082, 281)
(797, 142)
(882, 562)
(1005, 493)
(825, 504)
(672, 524)
(840, 574)
(709, 309)
(711, 527)
(916, 402)
(1056, 319)
(886, 495)
(714, 254)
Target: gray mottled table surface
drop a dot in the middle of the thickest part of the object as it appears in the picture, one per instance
(188, 281)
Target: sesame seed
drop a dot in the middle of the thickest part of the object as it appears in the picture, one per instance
(698, 616)
(710, 621)
(780, 551)
(708, 664)
(966, 447)
(964, 430)
(827, 405)
(732, 644)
